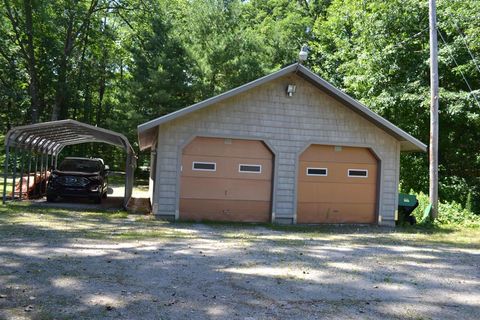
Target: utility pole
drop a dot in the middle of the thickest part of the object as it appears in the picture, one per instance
(433, 149)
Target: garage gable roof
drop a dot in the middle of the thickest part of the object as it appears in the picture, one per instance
(147, 131)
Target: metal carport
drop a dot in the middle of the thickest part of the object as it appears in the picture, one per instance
(44, 141)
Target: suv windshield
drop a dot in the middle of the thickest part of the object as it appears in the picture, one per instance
(80, 165)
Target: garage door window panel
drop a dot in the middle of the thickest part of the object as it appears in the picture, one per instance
(358, 173)
(319, 172)
(226, 168)
(250, 168)
(337, 173)
(204, 166)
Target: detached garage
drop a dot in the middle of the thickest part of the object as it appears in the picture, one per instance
(285, 148)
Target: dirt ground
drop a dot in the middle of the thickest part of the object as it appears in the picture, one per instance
(77, 265)
(114, 200)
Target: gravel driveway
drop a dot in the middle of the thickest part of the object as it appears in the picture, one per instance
(66, 269)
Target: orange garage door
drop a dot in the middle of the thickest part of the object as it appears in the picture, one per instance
(337, 185)
(226, 180)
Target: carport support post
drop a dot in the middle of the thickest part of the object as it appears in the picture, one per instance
(14, 172)
(35, 175)
(41, 172)
(46, 170)
(128, 179)
(29, 171)
(22, 160)
(5, 172)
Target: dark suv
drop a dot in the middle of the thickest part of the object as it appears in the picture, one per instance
(79, 177)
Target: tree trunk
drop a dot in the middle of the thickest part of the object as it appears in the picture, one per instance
(59, 109)
(87, 105)
(80, 80)
(33, 85)
(102, 82)
(9, 108)
(101, 94)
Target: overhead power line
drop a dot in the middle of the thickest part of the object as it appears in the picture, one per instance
(401, 43)
(465, 43)
(449, 51)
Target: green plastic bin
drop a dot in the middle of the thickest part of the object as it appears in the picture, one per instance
(406, 204)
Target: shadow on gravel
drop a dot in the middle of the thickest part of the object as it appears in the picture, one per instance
(91, 265)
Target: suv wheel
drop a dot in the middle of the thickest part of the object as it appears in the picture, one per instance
(51, 198)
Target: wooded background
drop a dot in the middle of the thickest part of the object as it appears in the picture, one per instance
(119, 63)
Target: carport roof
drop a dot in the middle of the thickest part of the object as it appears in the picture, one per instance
(51, 137)
(147, 131)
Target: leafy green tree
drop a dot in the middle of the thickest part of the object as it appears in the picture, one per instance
(18, 32)
(378, 52)
(225, 53)
(283, 26)
(120, 63)
(161, 80)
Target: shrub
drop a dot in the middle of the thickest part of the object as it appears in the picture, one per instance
(449, 213)
(423, 202)
(453, 214)
(469, 202)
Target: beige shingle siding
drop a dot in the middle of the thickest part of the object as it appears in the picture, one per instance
(288, 124)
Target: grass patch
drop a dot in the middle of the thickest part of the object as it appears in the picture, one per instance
(326, 229)
(118, 178)
(223, 224)
(455, 235)
(450, 235)
(9, 185)
(164, 233)
(11, 209)
(21, 219)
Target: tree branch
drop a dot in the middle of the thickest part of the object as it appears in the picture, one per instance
(15, 26)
